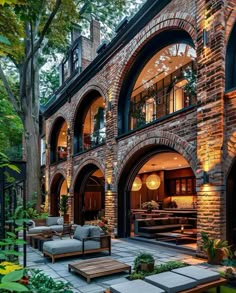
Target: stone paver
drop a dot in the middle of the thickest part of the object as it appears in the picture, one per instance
(122, 250)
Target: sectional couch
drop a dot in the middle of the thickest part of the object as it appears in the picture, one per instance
(87, 239)
(44, 225)
(149, 227)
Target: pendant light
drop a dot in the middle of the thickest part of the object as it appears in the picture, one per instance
(137, 184)
(153, 181)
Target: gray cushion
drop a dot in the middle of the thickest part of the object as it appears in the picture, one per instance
(95, 231)
(51, 221)
(171, 282)
(68, 245)
(137, 286)
(81, 232)
(38, 229)
(57, 228)
(199, 274)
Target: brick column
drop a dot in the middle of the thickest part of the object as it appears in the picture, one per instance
(210, 114)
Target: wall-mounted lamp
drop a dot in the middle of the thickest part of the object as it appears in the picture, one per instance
(68, 131)
(109, 106)
(204, 38)
(109, 188)
(205, 178)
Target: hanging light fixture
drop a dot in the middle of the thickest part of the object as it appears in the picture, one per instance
(153, 181)
(137, 184)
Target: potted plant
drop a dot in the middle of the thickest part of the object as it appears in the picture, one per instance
(144, 262)
(216, 249)
(150, 205)
(63, 206)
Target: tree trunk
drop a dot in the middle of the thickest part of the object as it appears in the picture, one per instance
(33, 159)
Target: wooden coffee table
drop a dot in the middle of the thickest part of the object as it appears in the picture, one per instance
(98, 267)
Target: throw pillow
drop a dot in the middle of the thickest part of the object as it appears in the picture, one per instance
(95, 231)
(60, 221)
(81, 232)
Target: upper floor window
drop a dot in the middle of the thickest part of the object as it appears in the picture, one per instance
(89, 129)
(230, 80)
(58, 141)
(165, 85)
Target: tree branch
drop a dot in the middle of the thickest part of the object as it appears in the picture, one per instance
(42, 35)
(11, 96)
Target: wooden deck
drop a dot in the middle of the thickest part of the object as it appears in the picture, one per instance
(98, 267)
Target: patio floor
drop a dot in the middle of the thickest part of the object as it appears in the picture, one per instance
(123, 250)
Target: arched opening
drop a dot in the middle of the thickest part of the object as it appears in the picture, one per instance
(89, 128)
(58, 188)
(231, 205)
(230, 80)
(161, 81)
(161, 177)
(89, 195)
(58, 141)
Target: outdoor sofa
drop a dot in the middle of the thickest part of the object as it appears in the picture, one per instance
(45, 225)
(86, 239)
(149, 227)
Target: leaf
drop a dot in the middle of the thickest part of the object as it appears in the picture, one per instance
(13, 252)
(4, 40)
(20, 242)
(13, 276)
(11, 286)
(11, 234)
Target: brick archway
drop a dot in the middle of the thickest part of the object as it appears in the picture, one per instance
(82, 190)
(161, 138)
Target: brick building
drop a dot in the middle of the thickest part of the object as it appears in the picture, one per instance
(159, 99)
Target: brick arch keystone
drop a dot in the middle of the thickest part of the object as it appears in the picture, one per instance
(159, 138)
(84, 162)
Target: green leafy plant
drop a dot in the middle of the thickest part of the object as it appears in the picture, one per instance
(216, 249)
(171, 265)
(150, 205)
(39, 282)
(63, 205)
(143, 257)
(8, 246)
(11, 282)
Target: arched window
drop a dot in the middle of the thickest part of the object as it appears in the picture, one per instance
(58, 141)
(90, 123)
(151, 97)
(230, 81)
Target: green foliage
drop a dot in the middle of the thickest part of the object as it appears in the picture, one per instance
(191, 87)
(210, 245)
(143, 257)
(4, 162)
(41, 283)
(63, 205)
(171, 265)
(8, 246)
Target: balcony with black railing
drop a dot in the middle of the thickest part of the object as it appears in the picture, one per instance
(91, 140)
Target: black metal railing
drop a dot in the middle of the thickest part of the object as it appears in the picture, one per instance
(94, 139)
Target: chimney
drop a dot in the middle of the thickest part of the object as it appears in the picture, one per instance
(94, 36)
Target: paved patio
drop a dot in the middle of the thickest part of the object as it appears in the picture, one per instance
(122, 250)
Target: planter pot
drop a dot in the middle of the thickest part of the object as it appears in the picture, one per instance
(147, 267)
(217, 259)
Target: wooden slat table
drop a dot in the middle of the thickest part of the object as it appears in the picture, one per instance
(98, 267)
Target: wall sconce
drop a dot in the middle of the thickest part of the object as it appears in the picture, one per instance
(68, 131)
(109, 106)
(108, 188)
(204, 38)
(205, 178)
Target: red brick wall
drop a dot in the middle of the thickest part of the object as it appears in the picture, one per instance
(197, 134)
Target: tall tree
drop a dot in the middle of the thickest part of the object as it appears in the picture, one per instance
(36, 28)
